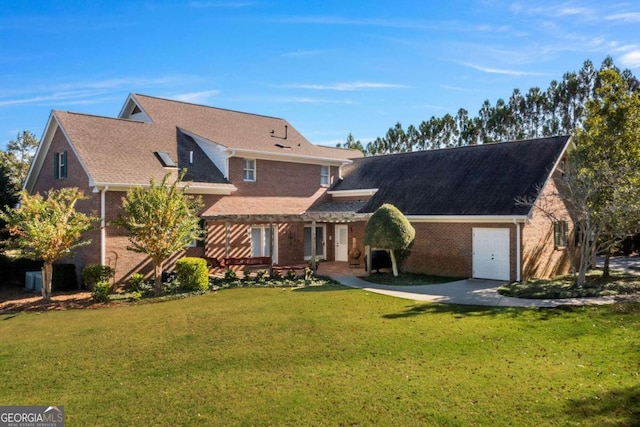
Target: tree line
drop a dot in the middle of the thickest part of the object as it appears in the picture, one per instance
(558, 110)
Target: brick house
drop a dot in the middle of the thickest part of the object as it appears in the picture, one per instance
(270, 192)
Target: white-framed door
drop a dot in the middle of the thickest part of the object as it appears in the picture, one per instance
(491, 258)
(321, 232)
(260, 237)
(342, 242)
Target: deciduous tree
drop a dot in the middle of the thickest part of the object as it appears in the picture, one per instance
(49, 228)
(161, 220)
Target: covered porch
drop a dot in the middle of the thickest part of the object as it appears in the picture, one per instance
(289, 240)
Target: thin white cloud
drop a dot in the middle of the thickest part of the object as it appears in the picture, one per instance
(349, 86)
(196, 97)
(127, 82)
(625, 17)
(555, 11)
(82, 92)
(631, 59)
(500, 71)
(58, 97)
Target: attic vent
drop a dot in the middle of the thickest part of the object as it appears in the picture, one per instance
(166, 159)
(136, 110)
(283, 146)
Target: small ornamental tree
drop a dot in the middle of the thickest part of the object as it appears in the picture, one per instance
(48, 228)
(389, 229)
(161, 220)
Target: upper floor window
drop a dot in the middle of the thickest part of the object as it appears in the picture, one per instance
(249, 170)
(324, 176)
(560, 234)
(60, 165)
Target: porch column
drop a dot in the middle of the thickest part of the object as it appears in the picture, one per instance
(367, 251)
(271, 247)
(313, 245)
(227, 227)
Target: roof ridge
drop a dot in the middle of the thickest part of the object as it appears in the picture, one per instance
(98, 116)
(470, 146)
(208, 106)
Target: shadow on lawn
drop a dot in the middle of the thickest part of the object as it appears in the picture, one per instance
(616, 407)
(458, 310)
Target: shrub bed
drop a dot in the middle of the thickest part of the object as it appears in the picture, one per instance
(619, 283)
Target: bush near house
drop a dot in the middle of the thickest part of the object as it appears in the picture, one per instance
(192, 274)
(94, 273)
(101, 292)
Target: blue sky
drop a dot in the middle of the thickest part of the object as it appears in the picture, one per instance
(329, 67)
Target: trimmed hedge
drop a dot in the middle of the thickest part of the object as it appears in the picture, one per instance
(192, 274)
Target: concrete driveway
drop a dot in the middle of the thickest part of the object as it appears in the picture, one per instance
(467, 292)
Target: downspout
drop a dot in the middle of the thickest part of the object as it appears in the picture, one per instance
(518, 251)
(103, 230)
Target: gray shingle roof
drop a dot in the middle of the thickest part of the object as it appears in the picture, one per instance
(471, 180)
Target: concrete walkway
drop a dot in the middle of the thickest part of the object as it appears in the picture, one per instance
(468, 292)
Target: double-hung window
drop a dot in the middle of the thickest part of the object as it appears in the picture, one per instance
(249, 170)
(324, 176)
(60, 165)
(560, 234)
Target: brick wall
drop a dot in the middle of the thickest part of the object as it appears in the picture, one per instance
(84, 255)
(278, 179)
(540, 257)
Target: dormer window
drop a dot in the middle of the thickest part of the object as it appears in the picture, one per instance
(60, 165)
(324, 176)
(249, 170)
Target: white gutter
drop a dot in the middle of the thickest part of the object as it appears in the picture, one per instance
(521, 219)
(353, 193)
(222, 189)
(292, 158)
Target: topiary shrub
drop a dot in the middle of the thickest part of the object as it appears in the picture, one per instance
(192, 274)
(94, 273)
(388, 228)
(101, 292)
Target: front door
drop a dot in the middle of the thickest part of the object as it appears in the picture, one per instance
(342, 243)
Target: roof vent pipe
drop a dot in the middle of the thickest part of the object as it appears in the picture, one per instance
(286, 129)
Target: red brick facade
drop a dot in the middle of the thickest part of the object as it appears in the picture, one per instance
(441, 247)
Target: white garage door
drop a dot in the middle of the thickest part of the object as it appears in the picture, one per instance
(491, 253)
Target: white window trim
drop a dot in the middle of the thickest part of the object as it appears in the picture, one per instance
(245, 169)
(323, 176)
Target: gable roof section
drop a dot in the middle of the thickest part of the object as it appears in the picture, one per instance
(245, 133)
(482, 180)
(123, 152)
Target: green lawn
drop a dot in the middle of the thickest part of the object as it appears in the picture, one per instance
(328, 356)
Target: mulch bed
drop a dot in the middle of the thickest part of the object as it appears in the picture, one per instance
(17, 299)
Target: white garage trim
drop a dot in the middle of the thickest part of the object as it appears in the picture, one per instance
(491, 253)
